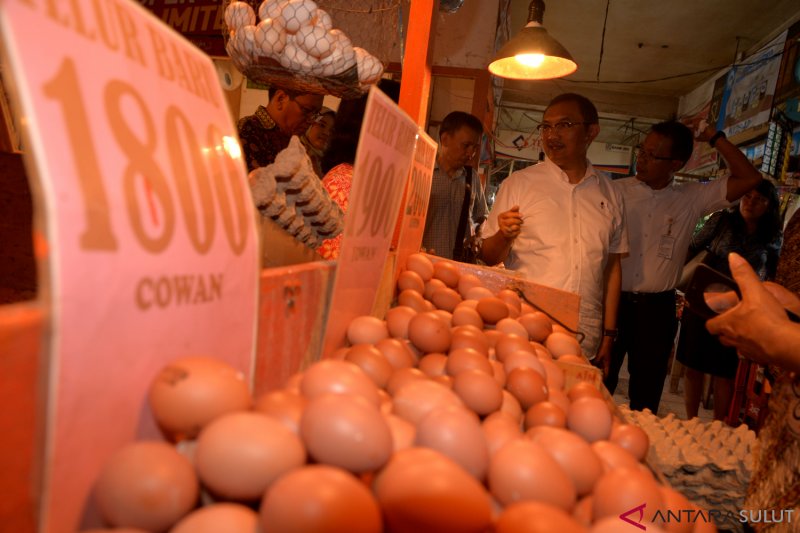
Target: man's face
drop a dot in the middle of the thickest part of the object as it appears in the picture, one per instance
(565, 135)
(654, 163)
(459, 147)
(299, 112)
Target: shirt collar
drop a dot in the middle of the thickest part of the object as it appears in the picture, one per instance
(263, 116)
(590, 171)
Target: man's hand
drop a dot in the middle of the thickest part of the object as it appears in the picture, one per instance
(510, 223)
(603, 358)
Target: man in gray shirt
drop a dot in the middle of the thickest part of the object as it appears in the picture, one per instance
(457, 204)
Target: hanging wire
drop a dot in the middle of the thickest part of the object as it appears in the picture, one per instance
(603, 40)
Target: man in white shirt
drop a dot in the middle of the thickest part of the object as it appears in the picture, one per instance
(561, 222)
(661, 216)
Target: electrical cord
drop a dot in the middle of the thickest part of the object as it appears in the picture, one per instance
(578, 334)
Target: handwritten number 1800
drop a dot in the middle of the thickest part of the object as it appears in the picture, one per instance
(142, 171)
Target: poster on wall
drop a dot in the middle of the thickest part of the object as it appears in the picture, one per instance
(749, 89)
(788, 85)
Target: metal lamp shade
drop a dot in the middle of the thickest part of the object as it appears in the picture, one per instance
(533, 39)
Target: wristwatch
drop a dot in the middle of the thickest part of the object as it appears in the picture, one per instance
(610, 333)
(717, 136)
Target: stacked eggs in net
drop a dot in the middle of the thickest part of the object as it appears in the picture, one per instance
(296, 40)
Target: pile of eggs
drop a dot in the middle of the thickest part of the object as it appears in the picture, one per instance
(298, 35)
(451, 415)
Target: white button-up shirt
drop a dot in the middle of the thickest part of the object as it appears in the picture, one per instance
(660, 227)
(567, 234)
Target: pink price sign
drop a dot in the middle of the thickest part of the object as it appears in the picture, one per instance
(418, 193)
(143, 204)
(383, 159)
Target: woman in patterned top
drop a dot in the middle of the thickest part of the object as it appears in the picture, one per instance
(753, 230)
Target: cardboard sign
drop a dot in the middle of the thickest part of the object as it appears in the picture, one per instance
(143, 201)
(383, 159)
(418, 194)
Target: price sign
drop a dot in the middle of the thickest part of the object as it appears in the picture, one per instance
(418, 193)
(383, 159)
(143, 203)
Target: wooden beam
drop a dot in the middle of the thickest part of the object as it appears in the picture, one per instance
(415, 85)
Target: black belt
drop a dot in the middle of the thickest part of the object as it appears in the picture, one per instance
(642, 297)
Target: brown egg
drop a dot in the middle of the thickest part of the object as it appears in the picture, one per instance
(675, 505)
(513, 312)
(239, 454)
(469, 338)
(401, 376)
(613, 456)
(387, 404)
(462, 359)
(573, 453)
(417, 398)
(523, 359)
(403, 432)
(632, 438)
(428, 332)
(541, 351)
(446, 316)
(508, 344)
(433, 364)
(583, 388)
(510, 297)
(397, 353)
(372, 361)
(432, 286)
(498, 372)
(492, 309)
(545, 414)
(590, 418)
(510, 326)
(444, 379)
(190, 392)
(470, 304)
(493, 336)
(526, 308)
(554, 375)
(456, 432)
(455, 502)
(146, 485)
(366, 330)
(478, 293)
(582, 512)
(446, 299)
(410, 280)
(463, 314)
(536, 517)
(338, 377)
(466, 282)
(228, 517)
(512, 406)
(420, 264)
(478, 390)
(320, 499)
(527, 386)
(345, 430)
(621, 490)
(499, 428)
(447, 271)
(283, 405)
(523, 470)
(412, 299)
(397, 319)
(562, 344)
(537, 324)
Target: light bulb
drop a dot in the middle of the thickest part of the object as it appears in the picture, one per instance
(530, 60)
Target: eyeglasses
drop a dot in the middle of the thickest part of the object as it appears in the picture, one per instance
(558, 127)
(308, 111)
(644, 154)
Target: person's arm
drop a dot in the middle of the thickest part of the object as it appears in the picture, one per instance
(758, 326)
(496, 247)
(612, 283)
(743, 175)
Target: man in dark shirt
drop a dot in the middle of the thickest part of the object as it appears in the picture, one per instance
(269, 130)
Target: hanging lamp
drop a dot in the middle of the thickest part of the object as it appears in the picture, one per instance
(533, 54)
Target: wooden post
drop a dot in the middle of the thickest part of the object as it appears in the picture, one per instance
(415, 86)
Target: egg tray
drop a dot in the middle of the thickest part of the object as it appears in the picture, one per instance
(267, 71)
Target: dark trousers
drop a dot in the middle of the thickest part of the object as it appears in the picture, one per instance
(647, 325)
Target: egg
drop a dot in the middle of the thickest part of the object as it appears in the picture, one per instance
(508, 344)
(511, 326)
(190, 392)
(416, 398)
(527, 386)
(244, 41)
(590, 418)
(472, 338)
(583, 388)
(523, 359)
(632, 438)
(397, 319)
(369, 67)
(270, 9)
(403, 432)
(446, 299)
(622, 489)
(537, 324)
(462, 359)
(573, 453)
(559, 399)
(455, 432)
(574, 359)
(499, 428)
(228, 517)
(446, 271)
(467, 281)
(295, 58)
(313, 499)
(456, 501)
(498, 372)
(324, 20)
(536, 517)
(410, 280)
(240, 454)
(401, 376)
(396, 353)
(554, 376)
(562, 344)
(433, 364)
(545, 413)
(492, 309)
(582, 512)
(420, 264)
(431, 286)
(347, 431)
(297, 13)
(270, 40)
(674, 505)
(339, 377)
(478, 390)
(314, 40)
(522, 470)
(239, 14)
(428, 332)
(366, 330)
(478, 293)
(146, 485)
(613, 456)
(412, 299)
(464, 315)
(511, 405)
(284, 405)
(372, 361)
(511, 298)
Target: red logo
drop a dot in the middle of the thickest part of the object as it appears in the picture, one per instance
(639, 509)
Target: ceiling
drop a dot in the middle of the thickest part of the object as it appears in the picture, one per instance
(679, 43)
